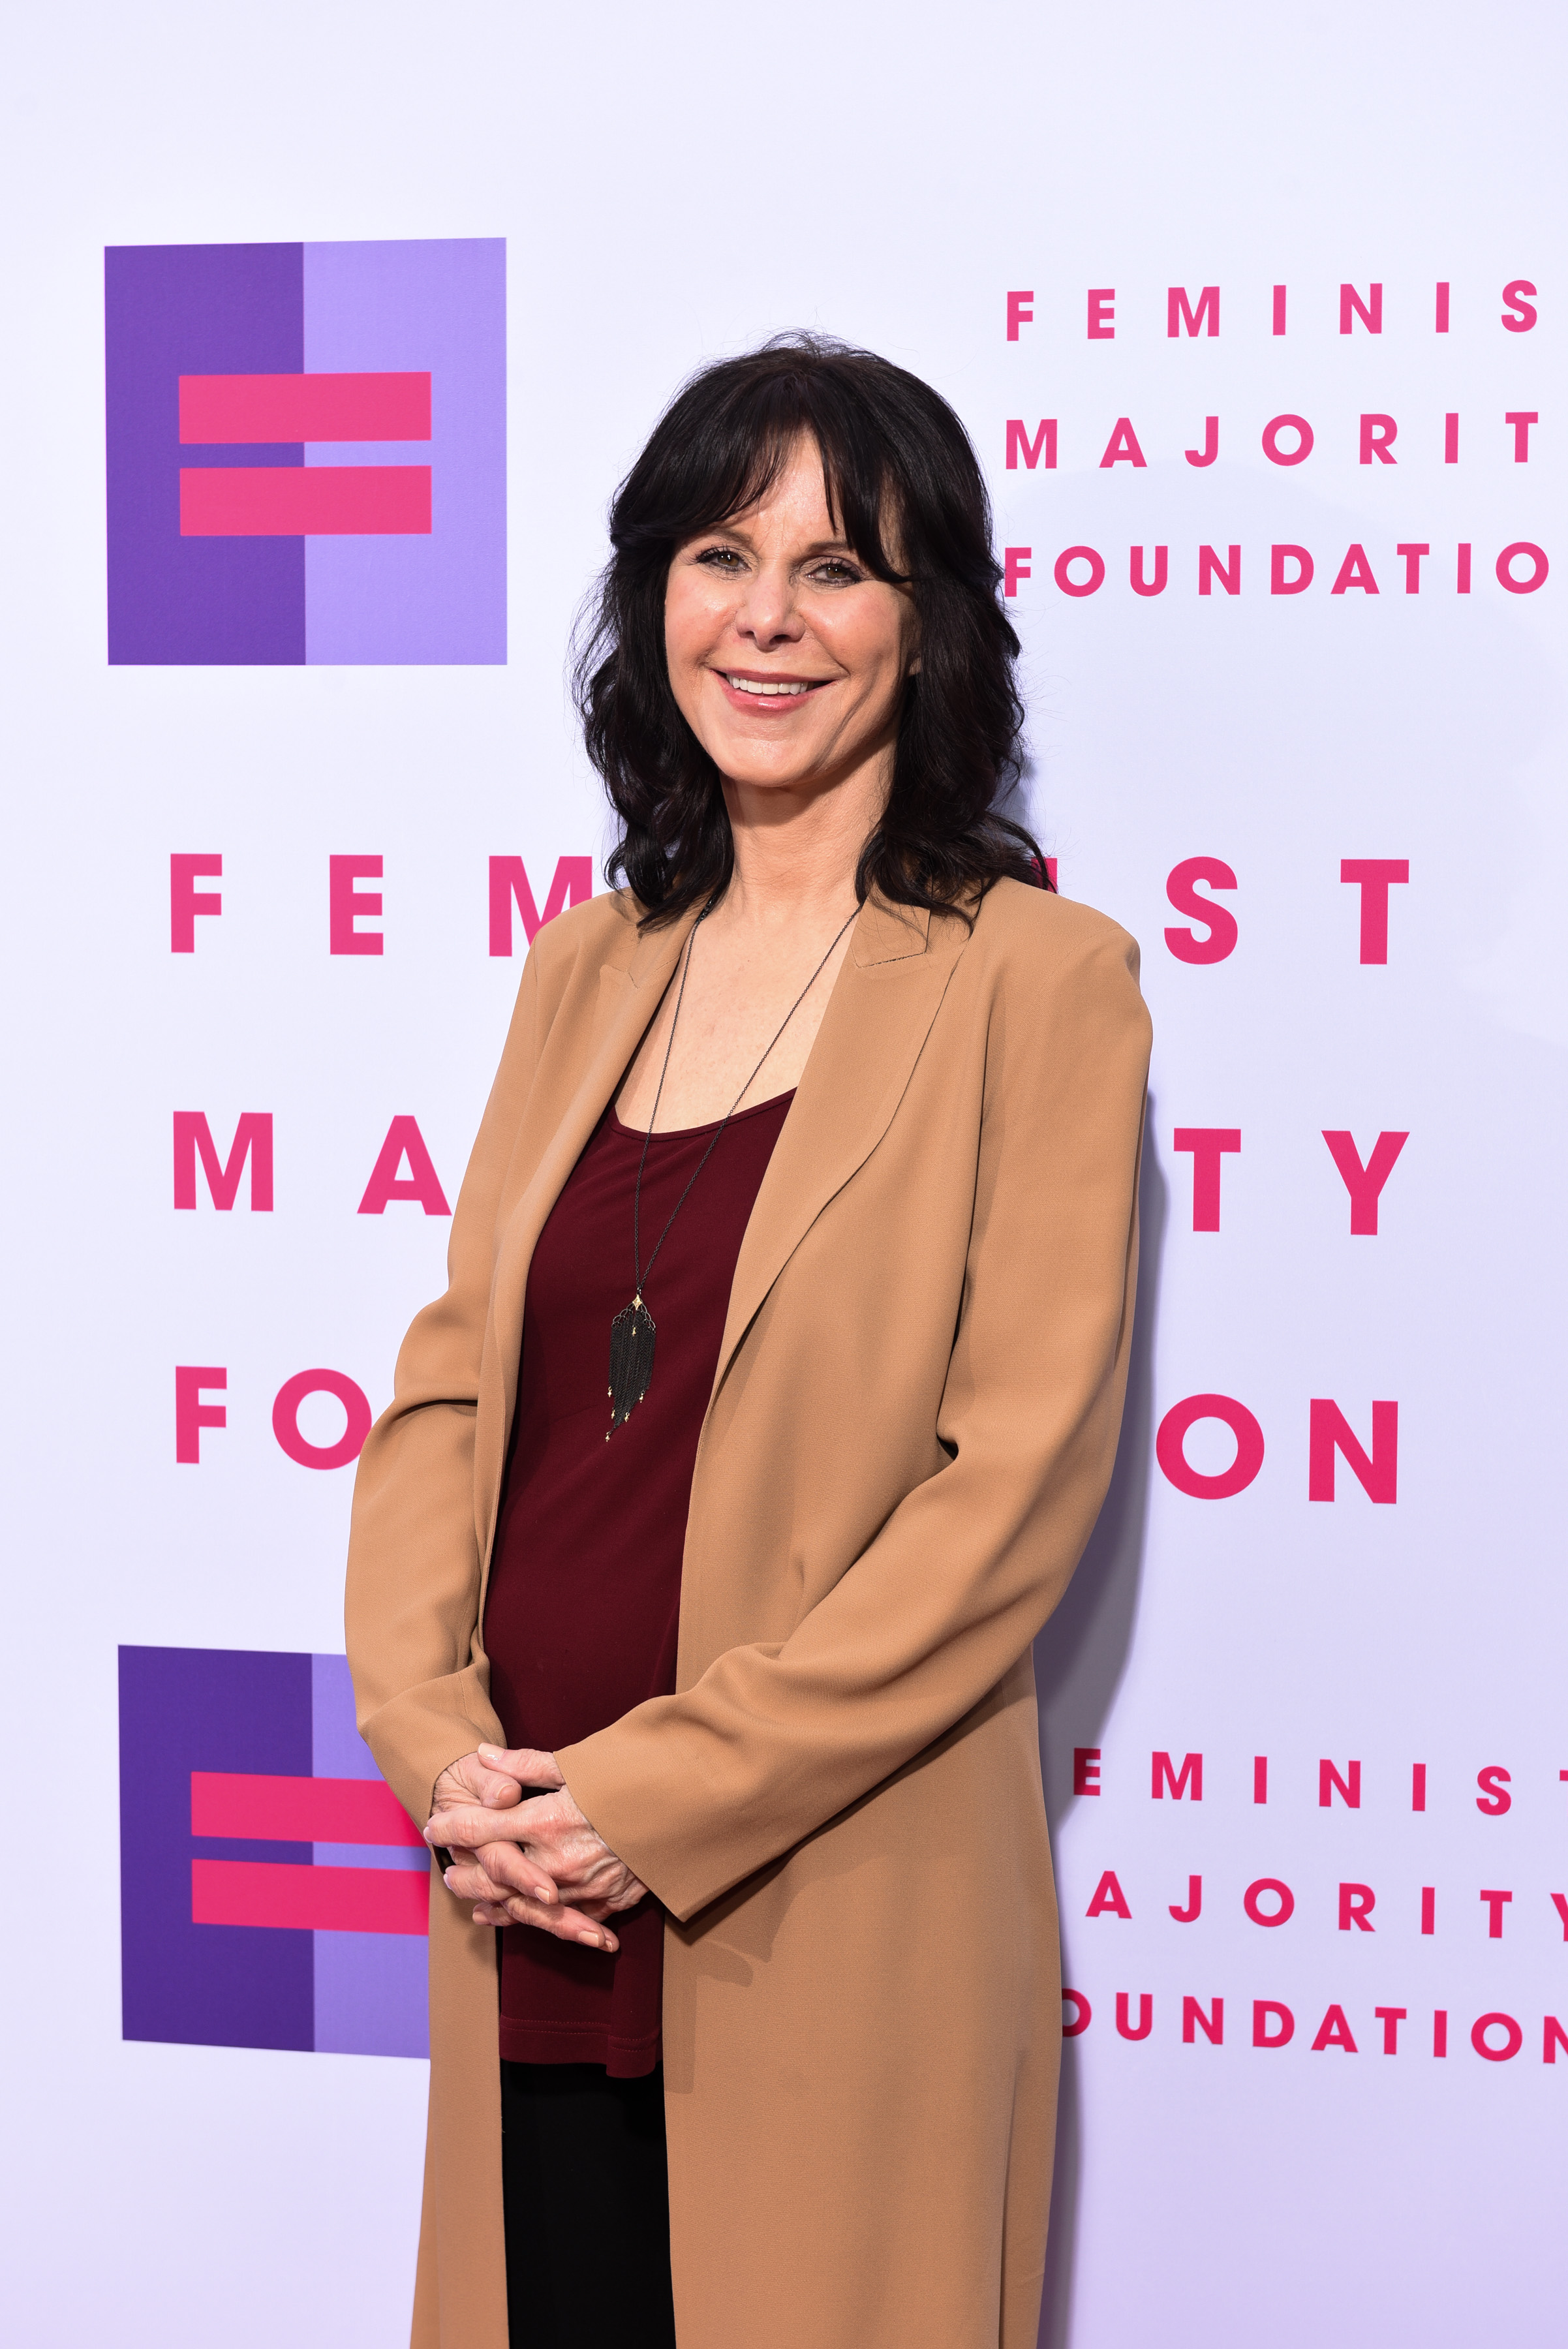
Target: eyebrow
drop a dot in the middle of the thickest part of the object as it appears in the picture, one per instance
(817, 545)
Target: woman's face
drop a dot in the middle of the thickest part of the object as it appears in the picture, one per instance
(787, 658)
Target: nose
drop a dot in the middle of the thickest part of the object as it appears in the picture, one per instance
(767, 612)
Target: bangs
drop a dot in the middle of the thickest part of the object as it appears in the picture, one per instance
(712, 459)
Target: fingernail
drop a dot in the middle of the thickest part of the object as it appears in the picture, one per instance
(591, 1941)
(446, 1879)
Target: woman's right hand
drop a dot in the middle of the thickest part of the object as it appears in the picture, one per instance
(512, 1889)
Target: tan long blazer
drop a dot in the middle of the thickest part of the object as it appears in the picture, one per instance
(910, 1433)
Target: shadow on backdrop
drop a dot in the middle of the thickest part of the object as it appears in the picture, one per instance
(1079, 1659)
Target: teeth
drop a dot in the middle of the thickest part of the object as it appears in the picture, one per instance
(757, 684)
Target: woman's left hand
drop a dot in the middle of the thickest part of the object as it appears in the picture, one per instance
(486, 1845)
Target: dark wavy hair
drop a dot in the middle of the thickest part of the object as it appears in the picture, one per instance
(897, 463)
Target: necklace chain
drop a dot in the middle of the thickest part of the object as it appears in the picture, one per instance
(641, 1271)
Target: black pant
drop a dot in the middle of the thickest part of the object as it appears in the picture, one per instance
(587, 2209)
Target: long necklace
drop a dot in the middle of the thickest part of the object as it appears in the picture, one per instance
(632, 1332)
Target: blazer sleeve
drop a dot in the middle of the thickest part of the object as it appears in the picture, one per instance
(412, 1606)
(698, 1790)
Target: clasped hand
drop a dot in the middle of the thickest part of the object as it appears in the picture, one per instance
(527, 1862)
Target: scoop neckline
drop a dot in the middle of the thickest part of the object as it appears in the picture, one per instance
(686, 1133)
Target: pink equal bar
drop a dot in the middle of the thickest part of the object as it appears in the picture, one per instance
(304, 500)
(298, 1810)
(308, 1900)
(283, 407)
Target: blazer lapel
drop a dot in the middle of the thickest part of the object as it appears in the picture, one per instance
(878, 1016)
(882, 1006)
(627, 997)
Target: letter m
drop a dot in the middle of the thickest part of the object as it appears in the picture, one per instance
(1019, 444)
(573, 885)
(253, 1139)
(1166, 1779)
(1179, 313)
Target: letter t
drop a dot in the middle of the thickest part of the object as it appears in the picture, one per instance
(1206, 1142)
(1374, 874)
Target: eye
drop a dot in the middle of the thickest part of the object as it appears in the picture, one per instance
(837, 572)
(720, 558)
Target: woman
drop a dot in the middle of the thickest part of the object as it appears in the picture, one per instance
(695, 1566)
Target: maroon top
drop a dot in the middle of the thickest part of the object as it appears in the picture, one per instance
(585, 1591)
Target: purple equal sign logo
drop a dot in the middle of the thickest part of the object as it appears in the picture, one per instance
(307, 451)
(274, 1892)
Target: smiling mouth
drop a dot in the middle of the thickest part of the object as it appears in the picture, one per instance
(775, 688)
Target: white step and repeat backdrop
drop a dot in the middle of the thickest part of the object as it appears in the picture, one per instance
(1258, 325)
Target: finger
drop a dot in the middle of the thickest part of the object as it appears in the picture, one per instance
(513, 1871)
(525, 1765)
(467, 1880)
(561, 1924)
(473, 1824)
(497, 1789)
(496, 1874)
(471, 1781)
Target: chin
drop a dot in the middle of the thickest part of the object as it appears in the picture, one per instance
(759, 765)
(752, 776)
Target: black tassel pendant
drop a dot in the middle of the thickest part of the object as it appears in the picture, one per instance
(632, 1336)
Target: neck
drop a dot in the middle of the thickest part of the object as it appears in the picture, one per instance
(796, 850)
